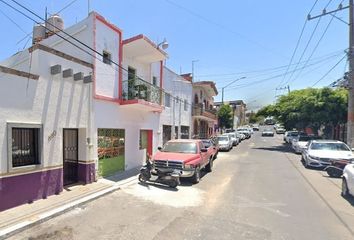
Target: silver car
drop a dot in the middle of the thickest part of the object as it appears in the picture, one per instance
(225, 143)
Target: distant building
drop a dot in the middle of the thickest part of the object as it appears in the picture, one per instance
(239, 111)
(204, 119)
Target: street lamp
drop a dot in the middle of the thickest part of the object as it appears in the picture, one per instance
(163, 44)
(222, 89)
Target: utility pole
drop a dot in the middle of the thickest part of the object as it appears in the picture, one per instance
(350, 123)
(193, 61)
(281, 88)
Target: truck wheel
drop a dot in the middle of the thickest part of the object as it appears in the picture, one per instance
(173, 184)
(209, 166)
(196, 176)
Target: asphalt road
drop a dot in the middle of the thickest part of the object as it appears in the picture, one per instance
(259, 190)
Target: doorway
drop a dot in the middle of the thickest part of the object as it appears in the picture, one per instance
(70, 156)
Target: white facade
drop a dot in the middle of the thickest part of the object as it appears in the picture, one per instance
(180, 111)
(52, 101)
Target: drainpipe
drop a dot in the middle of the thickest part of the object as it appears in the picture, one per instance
(173, 118)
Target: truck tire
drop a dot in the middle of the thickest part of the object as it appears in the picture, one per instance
(196, 176)
(209, 166)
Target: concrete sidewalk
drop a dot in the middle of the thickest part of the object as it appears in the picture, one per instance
(19, 218)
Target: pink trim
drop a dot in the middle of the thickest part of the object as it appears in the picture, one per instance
(101, 97)
(141, 36)
(157, 108)
(161, 74)
(120, 73)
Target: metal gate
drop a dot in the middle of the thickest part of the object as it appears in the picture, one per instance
(70, 156)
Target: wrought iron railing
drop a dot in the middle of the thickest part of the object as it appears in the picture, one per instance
(137, 88)
(200, 110)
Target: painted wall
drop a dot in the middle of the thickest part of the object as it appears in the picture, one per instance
(111, 115)
(107, 75)
(53, 101)
(176, 115)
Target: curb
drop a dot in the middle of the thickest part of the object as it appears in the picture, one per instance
(40, 218)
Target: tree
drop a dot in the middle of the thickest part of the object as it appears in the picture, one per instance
(310, 108)
(225, 116)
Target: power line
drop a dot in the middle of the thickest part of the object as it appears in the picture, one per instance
(222, 27)
(276, 76)
(264, 70)
(297, 44)
(330, 70)
(75, 45)
(315, 48)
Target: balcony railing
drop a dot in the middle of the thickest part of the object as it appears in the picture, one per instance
(137, 88)
(200, 110)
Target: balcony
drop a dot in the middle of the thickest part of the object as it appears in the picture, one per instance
(200, 111)
(141, 95)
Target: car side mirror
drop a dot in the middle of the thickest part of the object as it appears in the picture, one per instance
(159, 148)
(203, 150)
(353, 149)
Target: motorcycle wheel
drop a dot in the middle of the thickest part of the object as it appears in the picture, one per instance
(333, 173)
(141, 178)
(173, 184)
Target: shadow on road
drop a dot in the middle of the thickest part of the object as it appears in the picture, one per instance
(282, 148)
(157, 185)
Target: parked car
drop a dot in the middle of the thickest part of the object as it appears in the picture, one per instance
(320, 153)
(235, 140)
(300, 142)
(348, 180)
(290, 135)
(267, 132)
(225, 143)
(280, 130)
(213, 150)
(244, 131)
(188, 155)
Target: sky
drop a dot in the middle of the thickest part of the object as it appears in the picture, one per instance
(226, 39)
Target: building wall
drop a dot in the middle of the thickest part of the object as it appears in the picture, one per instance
(55, 103)
(111, 115)
(175, 115)
(107, 75)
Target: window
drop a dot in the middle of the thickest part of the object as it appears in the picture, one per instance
(167, 100)
(24, 145)
(107, 57)
(185, 105)
(143, 141)
(154, 81)
(111, 151)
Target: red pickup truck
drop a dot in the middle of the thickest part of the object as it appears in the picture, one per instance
(187, 155)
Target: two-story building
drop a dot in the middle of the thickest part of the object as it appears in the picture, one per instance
(204, 119)
(176, 118)
(79, 104)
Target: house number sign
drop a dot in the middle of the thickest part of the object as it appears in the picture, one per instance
(52, 135)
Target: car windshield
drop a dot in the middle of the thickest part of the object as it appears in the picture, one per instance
(293, 134)
(223, 138)
(304, 138)
(268, 130)
(180, 147)
(330, 146)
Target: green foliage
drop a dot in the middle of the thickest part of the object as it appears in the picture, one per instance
(225, 116)
(309, 108)
(254, 118)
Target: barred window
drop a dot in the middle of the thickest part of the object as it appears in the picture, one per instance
(24, 145)
(185, 105)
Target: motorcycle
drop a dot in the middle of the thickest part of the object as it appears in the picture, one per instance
(336, 168)
(170, 177)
